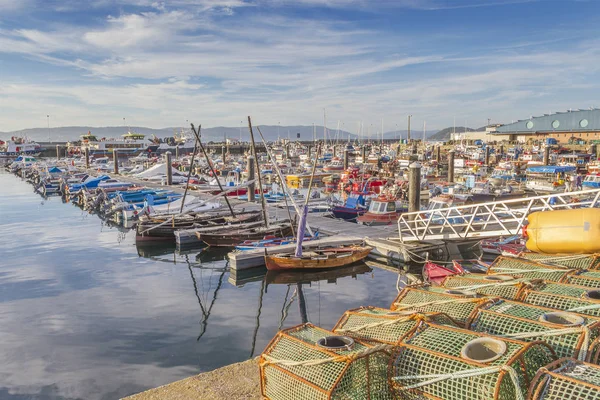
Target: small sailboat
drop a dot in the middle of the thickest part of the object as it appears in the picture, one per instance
(317, 258)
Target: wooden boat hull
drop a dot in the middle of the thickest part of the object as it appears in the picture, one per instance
(370, 219)
(233, 238)
(351, 255)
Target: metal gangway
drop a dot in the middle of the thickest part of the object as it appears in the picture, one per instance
(499, 218)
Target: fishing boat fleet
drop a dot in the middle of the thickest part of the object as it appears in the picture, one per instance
(510, 327)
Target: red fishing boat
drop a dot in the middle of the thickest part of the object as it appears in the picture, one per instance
(436, 273)
(383, 210)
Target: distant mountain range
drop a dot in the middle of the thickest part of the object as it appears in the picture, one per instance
(271, 132)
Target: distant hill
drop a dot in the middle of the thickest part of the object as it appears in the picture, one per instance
(271, 132)
(445, 133)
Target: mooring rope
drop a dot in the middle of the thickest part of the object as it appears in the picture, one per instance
(485, 285)
(340, 358)
(469, 373)
(403, 306)
(379, 324)
(584, 308)
(521, 271)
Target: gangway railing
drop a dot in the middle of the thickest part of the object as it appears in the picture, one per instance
(487, 219)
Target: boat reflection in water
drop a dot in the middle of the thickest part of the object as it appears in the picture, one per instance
(329, 275)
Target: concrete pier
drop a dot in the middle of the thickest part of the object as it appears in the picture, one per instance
(240, 381)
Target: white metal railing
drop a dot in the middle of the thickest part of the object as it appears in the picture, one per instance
(487, 219)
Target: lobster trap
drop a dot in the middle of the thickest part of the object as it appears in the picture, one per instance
(441, 362)
(570, 335)
(573, 261)
(380, 325)
(458, 305)
(589, 279)
(566, 379)
(584, 301)
(307, 362)
(503, 286)
(520, 268)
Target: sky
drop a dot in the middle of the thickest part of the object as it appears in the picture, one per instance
(295, 62)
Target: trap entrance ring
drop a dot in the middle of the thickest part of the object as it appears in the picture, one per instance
(483, 350)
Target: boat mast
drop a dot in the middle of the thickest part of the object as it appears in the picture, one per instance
(260, 190)
(211, 167)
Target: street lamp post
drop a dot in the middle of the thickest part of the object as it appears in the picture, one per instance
(408, 137)
(48, 120)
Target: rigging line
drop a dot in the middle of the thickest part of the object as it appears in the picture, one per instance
(283, 307)
(212, 303)
(260, 302)
(287, 308)
(187, 260)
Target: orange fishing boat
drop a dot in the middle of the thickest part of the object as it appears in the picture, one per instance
(319, 258)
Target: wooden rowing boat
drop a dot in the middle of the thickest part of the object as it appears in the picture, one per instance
(318, 258)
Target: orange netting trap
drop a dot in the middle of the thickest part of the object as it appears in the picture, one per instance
(566, 379)
(307, 362)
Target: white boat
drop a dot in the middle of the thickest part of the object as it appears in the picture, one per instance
(192, 204)
(548, 178)
(17, 146)
(131, 143)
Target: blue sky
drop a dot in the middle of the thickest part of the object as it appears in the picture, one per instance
(160, 63)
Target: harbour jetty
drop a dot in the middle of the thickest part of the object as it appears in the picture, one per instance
(461, 225)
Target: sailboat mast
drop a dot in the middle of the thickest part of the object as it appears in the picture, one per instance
(260, 189)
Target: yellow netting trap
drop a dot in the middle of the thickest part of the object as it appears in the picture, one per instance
(504, 286)
(584, 278)
(307, 362)
(380, 325)
(458, 305)
(570, 335)
(442, 362)
(575, 261)
(520, 268)
(566, 379)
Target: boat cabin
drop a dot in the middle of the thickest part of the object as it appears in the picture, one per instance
(592, 181)
(382, 205)
(548, 178)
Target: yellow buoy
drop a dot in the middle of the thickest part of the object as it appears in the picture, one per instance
(564, 231)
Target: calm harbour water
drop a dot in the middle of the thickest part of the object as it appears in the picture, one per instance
(84, 314)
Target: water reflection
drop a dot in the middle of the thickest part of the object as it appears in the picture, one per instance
(87, 313)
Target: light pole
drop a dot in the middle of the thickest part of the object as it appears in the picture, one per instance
(48, 120)
(241, 124)
(409, 116)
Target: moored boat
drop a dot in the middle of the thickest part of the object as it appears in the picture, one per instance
(317, 258)
(383, 210)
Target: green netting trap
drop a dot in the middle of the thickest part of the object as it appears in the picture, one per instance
(442, 362)
(584, 278)
(576, 261)
(570, 335)
(521, 268)
(307, 362)
(504, 286)
(566, 379)
(380, 325)
(569, 290)
(458, 305)
(588, 304)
